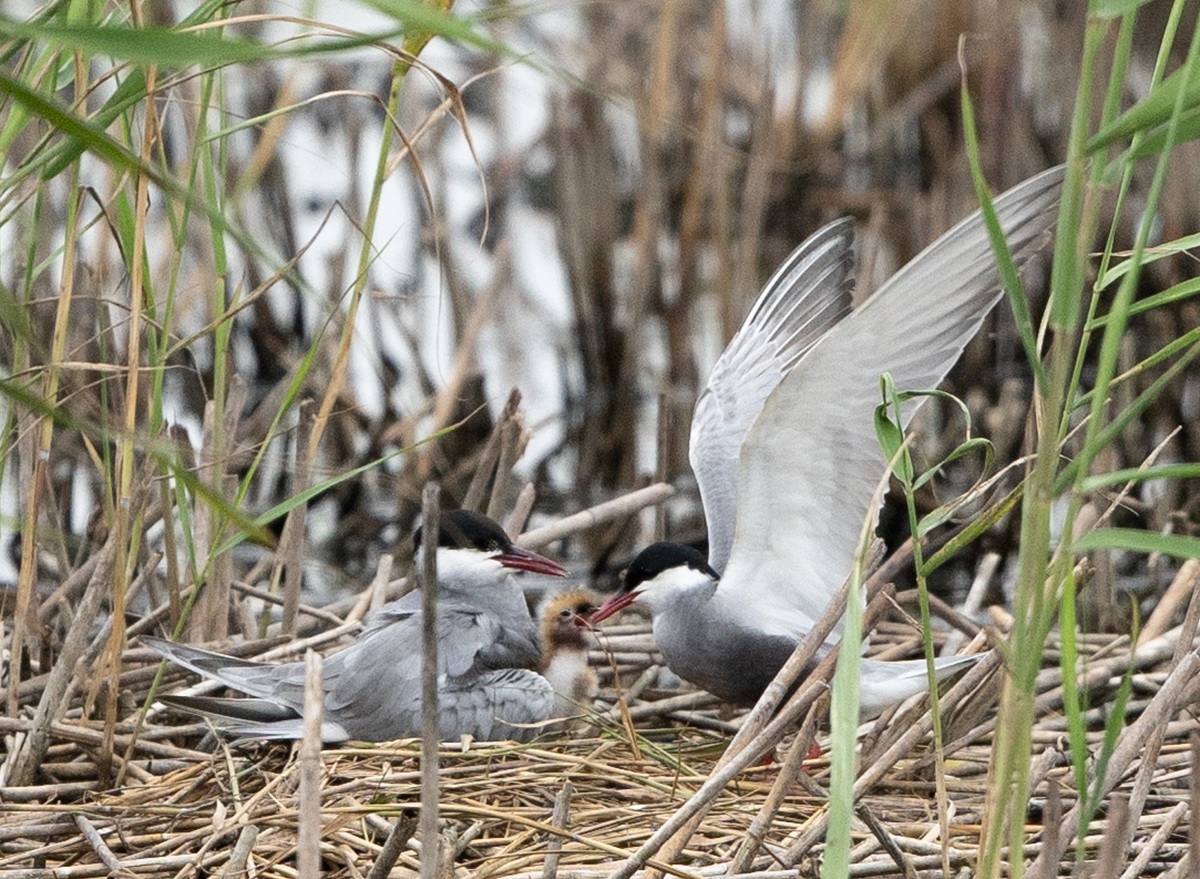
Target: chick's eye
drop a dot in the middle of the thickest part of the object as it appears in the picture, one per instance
(565, 614)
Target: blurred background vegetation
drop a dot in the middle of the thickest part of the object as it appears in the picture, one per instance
(579, 201)
(256, 258)
(266, 269)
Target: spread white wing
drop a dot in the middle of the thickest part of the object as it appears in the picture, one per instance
(811, 461)
(807, 295)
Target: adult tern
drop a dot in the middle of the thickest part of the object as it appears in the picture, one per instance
(784, 449)
(487, 642)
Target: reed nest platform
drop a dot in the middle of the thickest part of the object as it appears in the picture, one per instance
(166, 798)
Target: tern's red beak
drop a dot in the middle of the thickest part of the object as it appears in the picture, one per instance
(524, 560)
(613, 605)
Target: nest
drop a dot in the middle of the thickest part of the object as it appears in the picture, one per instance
(603, 801)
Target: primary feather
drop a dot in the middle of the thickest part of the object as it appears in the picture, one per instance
(805, 296)
(811, 461)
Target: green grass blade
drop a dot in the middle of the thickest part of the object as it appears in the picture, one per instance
(1013, 288)
(1178, 545)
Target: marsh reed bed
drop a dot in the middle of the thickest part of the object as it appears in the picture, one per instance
(580, 805)
(263, 277)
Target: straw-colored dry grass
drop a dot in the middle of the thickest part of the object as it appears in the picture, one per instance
(148, 800)
(182, 811)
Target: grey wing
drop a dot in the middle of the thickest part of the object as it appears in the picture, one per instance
(806, 296)
(509, 703)
(811, 461)
(513, 640)
(252, 718)
(394, 611)
(512, 633)
(252, 678)
(373, 688)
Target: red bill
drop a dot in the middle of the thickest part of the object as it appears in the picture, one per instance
(525, 560)
(617, 603)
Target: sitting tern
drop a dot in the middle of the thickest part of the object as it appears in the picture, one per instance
(785, 454)
(487, 642)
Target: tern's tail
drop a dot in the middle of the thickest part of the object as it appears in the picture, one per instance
(886, 683)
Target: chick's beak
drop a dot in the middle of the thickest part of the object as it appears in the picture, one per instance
(617, 603)
(525, 560)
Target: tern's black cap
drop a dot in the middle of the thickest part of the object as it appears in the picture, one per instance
(659, 557)
(466, 529)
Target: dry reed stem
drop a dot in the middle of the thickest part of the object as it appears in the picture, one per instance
(1183, 585)
(486, 465)
(622, 795)
(625, 505)
(293, 543)
(308, 810)
(430, 839)
(560, 820)
(519, 515)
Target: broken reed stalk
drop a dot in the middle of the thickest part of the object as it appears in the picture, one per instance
(235, 867)
(618, 507)
(430, 838)
(519, 515)
(486, 465)
(103, 852)
(513, 439)
(397, 838)
(662, 463)
(560, 820)
(376, 594)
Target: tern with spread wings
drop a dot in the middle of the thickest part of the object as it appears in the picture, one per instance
(784, 448)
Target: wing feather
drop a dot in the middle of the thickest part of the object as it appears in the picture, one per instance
(811, 462)
(373, 688)
(809, 293)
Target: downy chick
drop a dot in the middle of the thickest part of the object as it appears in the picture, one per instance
(566, 637)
